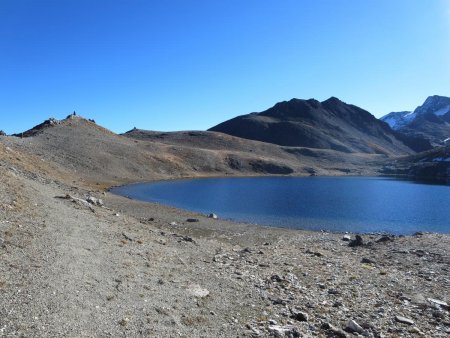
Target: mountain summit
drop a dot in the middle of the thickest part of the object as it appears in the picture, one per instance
(331, 124)
(431, 120)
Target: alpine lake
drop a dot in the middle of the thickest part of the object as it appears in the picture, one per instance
(336, 204)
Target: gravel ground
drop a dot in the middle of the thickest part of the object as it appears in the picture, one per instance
(69, 268)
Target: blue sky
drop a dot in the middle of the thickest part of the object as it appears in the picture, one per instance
(178, 65)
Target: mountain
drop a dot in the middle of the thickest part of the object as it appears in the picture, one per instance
(430, 120)
(331, 124)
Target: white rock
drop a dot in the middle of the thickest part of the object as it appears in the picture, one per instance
(404, 320)
(439, 302)
(354, 326)
(95, 201)
(284, 331)
(197, 291)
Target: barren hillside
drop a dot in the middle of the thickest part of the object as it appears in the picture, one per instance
(89, 152)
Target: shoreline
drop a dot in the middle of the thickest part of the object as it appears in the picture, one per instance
(323, 246)
(270, 226)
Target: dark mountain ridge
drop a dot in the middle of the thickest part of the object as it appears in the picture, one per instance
(331, 124)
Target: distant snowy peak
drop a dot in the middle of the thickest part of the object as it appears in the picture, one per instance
(396, 120)
(437, 105)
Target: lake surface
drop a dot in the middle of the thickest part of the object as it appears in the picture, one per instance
(356, 204)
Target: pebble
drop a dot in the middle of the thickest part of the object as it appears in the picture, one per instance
(337, 332)
(315, 253)
(284, 331)
(346, 238)
(439, 302)
(213, 216)
(404, 320)
(299, 315)
(124, 322)
(367, 261)
(416, 330)
(384, 239)
(353, 326)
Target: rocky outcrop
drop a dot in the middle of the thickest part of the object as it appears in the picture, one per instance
(51, 122)
(39, 128)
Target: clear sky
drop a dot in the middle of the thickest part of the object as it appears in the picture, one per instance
(178, 65)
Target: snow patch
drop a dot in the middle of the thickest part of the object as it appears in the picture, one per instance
(393, 123)
(396, 120)
(437, 105)
(441, 159)
(442, 111)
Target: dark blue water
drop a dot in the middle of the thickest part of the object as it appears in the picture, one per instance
(356, 204)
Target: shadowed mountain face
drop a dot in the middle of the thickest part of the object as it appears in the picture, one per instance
(331, 124)
(431, 165)
(430, 120)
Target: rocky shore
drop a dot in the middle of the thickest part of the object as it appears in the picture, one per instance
(82, 263)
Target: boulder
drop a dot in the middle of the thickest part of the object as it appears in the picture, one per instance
(299, 315)
(358, 241)
(284, 331)
(95, 201)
